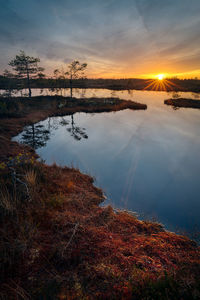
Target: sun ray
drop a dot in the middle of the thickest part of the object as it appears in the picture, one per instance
(160, 84)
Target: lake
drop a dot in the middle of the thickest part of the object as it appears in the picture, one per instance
(145, 161)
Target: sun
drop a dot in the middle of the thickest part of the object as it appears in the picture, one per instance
(160, 76)
(160, 83)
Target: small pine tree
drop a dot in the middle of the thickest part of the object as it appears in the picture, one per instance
(26, 67)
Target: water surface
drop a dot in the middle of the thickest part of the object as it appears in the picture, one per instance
(145, 161)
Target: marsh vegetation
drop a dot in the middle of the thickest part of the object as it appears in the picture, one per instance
(60, 237)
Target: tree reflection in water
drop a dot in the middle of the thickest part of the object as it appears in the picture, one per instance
(36, 136)
(75, 131)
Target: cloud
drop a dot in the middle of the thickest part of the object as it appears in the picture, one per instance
(125, 36)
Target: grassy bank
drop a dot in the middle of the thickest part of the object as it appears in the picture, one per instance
(182, 102)
(55, 105)
(17, 112)
(57, 242)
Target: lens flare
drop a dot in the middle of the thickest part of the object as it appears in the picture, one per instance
(160, 83)
(160, 76)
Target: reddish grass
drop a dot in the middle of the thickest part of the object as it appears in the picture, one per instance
(88, 251)
(182, 102)
(60, 244)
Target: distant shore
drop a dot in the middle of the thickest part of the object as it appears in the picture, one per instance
(183, 102)
(186, 85)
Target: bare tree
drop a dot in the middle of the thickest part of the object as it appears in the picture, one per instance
(75, 70)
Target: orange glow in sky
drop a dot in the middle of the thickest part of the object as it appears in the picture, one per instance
(160, 76)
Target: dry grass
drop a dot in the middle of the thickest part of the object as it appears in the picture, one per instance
(8, 202)
(70, 248)
(31, 177)
(62, 245)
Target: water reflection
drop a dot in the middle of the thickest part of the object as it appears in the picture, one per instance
(58, 91)
(145, 161)
(75, 131)
(196, 95)
(36, 136)
(80, 93)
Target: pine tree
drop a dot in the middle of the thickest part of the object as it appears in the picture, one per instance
(26, 67)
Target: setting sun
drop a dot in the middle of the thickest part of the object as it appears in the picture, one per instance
(160, 76)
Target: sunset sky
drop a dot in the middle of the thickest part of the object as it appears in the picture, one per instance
(129, 38)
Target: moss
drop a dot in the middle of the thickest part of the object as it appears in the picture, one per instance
(57, 243)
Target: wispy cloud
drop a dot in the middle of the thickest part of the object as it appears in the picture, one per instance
(130, 37)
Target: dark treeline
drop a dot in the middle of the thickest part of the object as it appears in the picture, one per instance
(192, 85)
(27, 74)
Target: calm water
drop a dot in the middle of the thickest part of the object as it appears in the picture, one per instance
(145, 161)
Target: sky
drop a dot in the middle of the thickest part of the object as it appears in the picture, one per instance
(118, 39)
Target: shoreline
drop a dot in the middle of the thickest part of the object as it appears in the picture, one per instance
(183, 102)
(25, 111)
(72, 244)
(184, 85)
(109, 88)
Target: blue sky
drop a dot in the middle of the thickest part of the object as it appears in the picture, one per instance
(116, 38)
